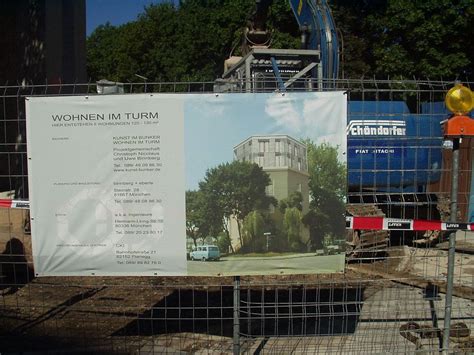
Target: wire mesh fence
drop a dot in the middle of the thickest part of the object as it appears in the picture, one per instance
(391, 297)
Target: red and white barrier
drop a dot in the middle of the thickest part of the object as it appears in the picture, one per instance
(8, 203)
(381, 223)
(358, 223)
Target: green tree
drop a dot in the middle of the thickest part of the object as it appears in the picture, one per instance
(294, 200)
(102, 46)
(430, 38)
(327, 186)
(292, 225)
(198, 224)
(326, 173)
(356, 59)
(283, 26)
(223, 243)
(253, 229)
(168, 43)
(234, 190)
(189, 42)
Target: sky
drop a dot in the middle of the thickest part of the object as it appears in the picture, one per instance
(215, 124)
(117, 12)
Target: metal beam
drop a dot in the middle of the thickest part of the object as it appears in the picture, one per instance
(452, 247)
(281, 85)
(300, 74)
(248, 73)
(268, 52)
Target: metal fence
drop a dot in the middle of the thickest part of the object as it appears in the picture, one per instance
(389, 300)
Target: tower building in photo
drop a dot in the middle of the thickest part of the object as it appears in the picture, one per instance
(284, 159)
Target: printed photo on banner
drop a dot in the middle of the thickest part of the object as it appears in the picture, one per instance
(265, 183)
(188, 184)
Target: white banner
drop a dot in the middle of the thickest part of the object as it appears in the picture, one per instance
(109, 176)
(106, 179)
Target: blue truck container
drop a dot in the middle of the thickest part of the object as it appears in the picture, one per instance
(390, 149)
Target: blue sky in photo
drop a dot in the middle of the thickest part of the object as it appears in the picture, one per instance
(215, 124)
(117, 12)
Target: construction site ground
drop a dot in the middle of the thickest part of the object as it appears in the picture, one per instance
(194, 314)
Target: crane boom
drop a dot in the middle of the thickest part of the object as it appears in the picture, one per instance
(319, 32)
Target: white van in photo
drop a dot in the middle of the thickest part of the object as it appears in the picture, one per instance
(205, 253)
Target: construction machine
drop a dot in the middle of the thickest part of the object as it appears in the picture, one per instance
(260, 65)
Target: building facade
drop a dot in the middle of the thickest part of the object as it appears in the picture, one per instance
(285, 161)
(43, 41)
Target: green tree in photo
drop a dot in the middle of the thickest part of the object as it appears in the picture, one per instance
(233, 190)
(253, 229)
(294, 200)
(327, 186)
(327, 175)
(292, 225)
(224, 244)
(198, 225)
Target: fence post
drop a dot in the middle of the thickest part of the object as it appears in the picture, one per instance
(236, 338)
(452, 247)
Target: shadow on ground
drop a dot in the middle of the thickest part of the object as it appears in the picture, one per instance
(15, 272)
(263, 312)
